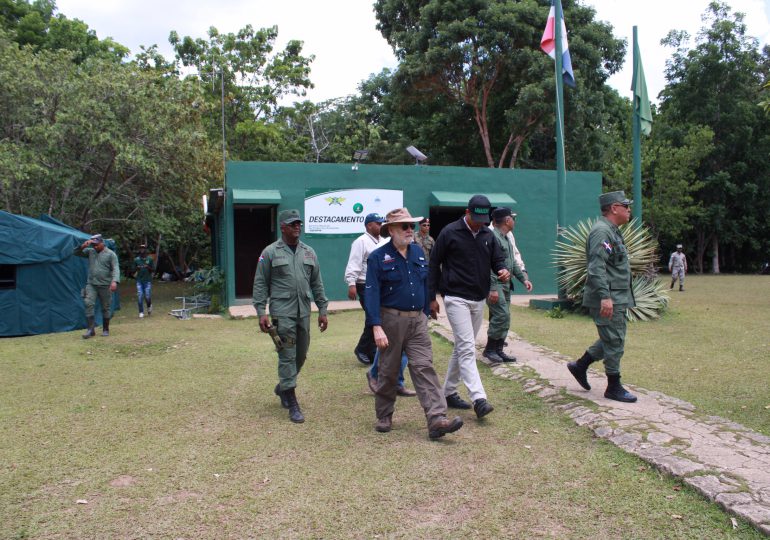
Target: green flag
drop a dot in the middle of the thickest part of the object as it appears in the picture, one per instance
(639, 88)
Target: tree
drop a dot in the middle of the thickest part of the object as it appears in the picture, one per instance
(482, 58)
(717, 84)
(242, 74)
(101, 145)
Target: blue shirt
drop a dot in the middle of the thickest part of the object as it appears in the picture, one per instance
(396, 282)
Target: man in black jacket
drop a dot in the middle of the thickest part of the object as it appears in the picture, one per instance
(460, 264)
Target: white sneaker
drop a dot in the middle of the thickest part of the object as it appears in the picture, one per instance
(141, 315)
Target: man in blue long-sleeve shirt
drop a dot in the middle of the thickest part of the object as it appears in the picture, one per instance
(397, 309)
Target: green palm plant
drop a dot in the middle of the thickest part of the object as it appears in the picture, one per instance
(650, 293)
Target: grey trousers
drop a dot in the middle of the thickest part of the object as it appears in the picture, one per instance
(410, 335)
(465, 318)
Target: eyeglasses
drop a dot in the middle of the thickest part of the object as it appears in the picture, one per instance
(407, 226)
(294, 224)
(624, 205)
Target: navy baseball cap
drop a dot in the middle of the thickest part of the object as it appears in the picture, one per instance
(374, 217)
(480, 208)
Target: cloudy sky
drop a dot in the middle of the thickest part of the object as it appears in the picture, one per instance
(347, 46)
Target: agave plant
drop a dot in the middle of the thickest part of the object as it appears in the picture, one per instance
(649, 292)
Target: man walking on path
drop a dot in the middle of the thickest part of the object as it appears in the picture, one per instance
(287, 275)
(499, 298)
(463, 257)
(143, 266)
(355, 276)
(397, 309)
(677, 265)
(103, 279)
(607, 294)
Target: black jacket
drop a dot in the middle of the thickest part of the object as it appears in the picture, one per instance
(460, 264)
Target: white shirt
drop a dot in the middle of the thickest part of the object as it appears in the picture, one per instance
(355, 271)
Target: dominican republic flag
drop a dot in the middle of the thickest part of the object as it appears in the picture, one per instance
(548, 44)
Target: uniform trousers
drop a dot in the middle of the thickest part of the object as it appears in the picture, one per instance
(612, 338)
(103, 293)
(366, 343)
(408, 334)
(465, 318)
(295, 333)
(500, 314)
(678, 272)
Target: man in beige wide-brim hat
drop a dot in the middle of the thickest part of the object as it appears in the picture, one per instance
(397, 308)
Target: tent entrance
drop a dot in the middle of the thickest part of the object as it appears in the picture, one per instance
(254, 230)
(7, 276)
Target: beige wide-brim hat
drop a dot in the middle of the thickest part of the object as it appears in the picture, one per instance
(399, 215)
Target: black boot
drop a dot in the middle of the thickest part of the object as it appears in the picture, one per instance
(672, 284)
(295, 414)
(501, 353)
(284, 401)
(579, 370)
(616, 391)
(681, 287)
(490, 351)
(90, 330)
(105, 326)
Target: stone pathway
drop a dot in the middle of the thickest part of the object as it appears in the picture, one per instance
(726, 462)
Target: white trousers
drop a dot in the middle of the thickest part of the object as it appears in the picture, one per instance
(465, 318)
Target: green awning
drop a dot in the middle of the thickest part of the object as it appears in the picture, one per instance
(460, 200)
(256, 196)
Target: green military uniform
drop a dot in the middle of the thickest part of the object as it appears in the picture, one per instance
(500, 313)
(103, 269)
(609, 276)
(289, 280)
(425, 242)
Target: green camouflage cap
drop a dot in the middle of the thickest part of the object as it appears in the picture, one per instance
(289, 216)
(613, 197)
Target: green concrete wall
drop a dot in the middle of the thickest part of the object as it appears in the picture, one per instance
(533, 190)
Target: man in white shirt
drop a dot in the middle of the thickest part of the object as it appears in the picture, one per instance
(355, 277)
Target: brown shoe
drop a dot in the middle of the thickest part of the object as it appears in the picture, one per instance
(371, 381)
(403, 391)
(443, 425)
(385, 424)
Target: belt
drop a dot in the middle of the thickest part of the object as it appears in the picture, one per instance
(401, 313)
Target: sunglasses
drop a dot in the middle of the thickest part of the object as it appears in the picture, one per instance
(407, 226)
(624, 205)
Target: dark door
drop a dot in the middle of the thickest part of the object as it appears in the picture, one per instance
(254, 231)
(441, 216)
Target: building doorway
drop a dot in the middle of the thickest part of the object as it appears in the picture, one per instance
(254, 229)
(441, 216)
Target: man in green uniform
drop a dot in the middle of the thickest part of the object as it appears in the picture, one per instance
(103, 279)
(499, 298)
(143, 267)
(288, 276)
(607, 294)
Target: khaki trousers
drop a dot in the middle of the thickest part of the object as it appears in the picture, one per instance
(408, 335)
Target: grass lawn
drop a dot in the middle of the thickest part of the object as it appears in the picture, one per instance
(712, 348)
(170, 429)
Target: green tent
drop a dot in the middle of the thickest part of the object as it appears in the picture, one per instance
(40, 279)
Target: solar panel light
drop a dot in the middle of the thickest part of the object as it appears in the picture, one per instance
(416, 154)
(358, 156)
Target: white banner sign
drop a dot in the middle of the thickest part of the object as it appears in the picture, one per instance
(343, 211)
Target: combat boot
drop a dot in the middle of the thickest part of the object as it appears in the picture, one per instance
(672, 284)
(90, 330)
(616, 391)
(681, 288)
(284, 400)
(490, 351)
(105, 326)
(502, 354)
(579, 370)
(295, 413)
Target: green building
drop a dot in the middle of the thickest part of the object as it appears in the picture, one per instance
(334, 199)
